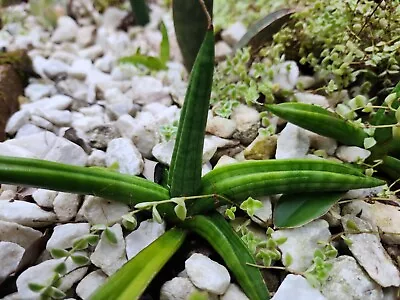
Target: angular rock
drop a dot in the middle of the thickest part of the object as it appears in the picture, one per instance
(234, 293)
(297, 287)
(44, 197)
(222, 50)
(37, 91)
(43, 272)
(386, 217)
(10, 256)
(286, 75)
(178, 288)
(64, 235)
(108, 256)
(147, 89)
(66, 30)
(163, 152)
(16, 121)
(147, 232)
(55, 116)
(54, 68)
(90, 283)
(113, 17)
(320, 142)
(60, 102)
(86, 36)
(25, 213)
(18, 234)
(263, 147)
(370, 254)
(293, 142)
(234, 33)
(302, 242)
(97, 158)
(247, 123)
(66, 206)
(100, 136)
(309, 98)
(221, 127)
(352, 153)
(80, 68)
(207, 274)
(347, 280)
(123, 152)
(98, 210)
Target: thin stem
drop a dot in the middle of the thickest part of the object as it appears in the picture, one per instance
(208, 16)
(382, 126)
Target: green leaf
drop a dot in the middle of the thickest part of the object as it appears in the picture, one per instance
(92, 239)
(181, 211)
(131, 280)
(391, 166)
(61, 268)
(197, 295)
(55, 293)
(296, 210)
(98, 227)
(35, 287)
(80, 244)
(190, 26)
(185, 171)
(150, 62)
(250, 205)
(141, 11)
(110, 236)
(59, 253)
(321, 121)
(221, 236)
(164, 47)
(156, 215)
(263, 30)
(80, 259)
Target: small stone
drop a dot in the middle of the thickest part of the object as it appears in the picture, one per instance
(66, 206)
(363, 193)
(386, 217)
(113, 17)
(305, 82)
(86, 36)
(108, 256)
(286, 75)
(293, 142)
(80, 68)
(263, 215)
(123, 152)
(16, 121)
(221, 127)
(74, 88)
(28, 129)
(43, 273)
(37, 91)
(234, 293)
(63, 56)
(44, 198)
(148, 170)
(25, 213)
(97, 158)
(147, 89)
(234, 33)
(100, 136)
(302, 242)
(92, 52)
(163, 152)
(320, 142)
(41, 123)
(297, 287)
(10, 256)
(225, 160)
(222, 50)
(86, 123)
(352, 153)
(55, 68)
(55, 116)
(247, 123)
(263, 147)
(347, 280)
(97, 210)
(105, 63)
(370, 254)
(64, 235)
(66, 30)
(309, 98)
(147, 232)
(16, 151)
(60, 102)
(207, 274)
(18, 234)
(178, 288)
(90, 283)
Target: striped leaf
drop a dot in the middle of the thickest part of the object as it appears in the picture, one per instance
(185, 171)
(131, 280)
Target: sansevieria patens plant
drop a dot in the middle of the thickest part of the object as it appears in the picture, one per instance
(188, 202)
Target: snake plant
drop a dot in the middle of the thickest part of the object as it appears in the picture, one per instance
(185, 187)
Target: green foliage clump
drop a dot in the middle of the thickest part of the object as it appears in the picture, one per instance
(45, 12)
(229, 11)
(237, 80)
(345, 42)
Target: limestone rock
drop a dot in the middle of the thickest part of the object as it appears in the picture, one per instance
(64, 235)
(297, 287)
(90, 283)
